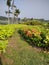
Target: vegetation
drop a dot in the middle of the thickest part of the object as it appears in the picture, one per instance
(9, 5)
(21, 52)
(35, 37)
(5, 33)
(15, 11)
(24, 43)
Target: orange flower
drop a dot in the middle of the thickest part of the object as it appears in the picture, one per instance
(34, 31)
(29, 33)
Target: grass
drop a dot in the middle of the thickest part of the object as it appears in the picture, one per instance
(20, 52)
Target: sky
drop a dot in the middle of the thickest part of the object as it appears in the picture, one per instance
(28, 8)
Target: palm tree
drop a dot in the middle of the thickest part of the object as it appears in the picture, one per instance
(17, 12)
(9, 5)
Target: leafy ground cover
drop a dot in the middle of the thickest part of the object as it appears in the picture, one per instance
(5, 32)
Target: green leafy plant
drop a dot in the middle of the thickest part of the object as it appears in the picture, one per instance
(3, 45)
(35, 38)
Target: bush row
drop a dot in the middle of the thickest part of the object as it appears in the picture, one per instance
(35, 37)
(5, 32)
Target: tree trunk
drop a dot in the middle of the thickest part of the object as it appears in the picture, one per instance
(17, 18)
(8, 16)
(13, 11)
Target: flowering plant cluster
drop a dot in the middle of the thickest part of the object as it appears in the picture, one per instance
(35, 37)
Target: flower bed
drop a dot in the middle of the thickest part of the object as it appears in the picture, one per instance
(35, 37)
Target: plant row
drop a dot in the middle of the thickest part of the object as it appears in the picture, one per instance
(34, 37)
(5, 32)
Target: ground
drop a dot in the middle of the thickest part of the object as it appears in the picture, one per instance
(19, 52)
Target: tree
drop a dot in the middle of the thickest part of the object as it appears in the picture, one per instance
(13, 7)
(9, 5)
(15, 11)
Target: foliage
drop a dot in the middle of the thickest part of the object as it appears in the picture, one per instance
(24, 54)
(33, 22)
(17, 12)
(35, 37)
(9, 3)
(3, 45)
(47, 25)
(5, 32)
